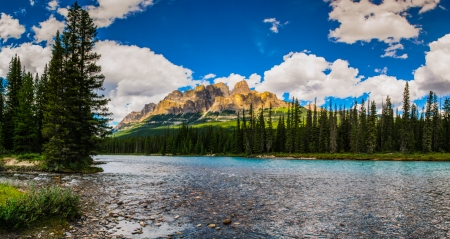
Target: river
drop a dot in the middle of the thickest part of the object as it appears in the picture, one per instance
(160, 197)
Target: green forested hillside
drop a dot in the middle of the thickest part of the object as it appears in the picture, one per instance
(158, 124)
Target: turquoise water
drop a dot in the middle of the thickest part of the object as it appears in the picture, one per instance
(136, 164)
(279, 198)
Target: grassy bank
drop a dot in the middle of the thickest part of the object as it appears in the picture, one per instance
(20, 210)
(36, 163)
(336, 156)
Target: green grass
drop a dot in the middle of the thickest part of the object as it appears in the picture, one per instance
(24, 210)
(8, 192)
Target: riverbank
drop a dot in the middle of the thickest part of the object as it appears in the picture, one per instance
(36, 163)
(326, 156)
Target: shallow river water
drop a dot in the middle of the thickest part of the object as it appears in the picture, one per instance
(174, 197)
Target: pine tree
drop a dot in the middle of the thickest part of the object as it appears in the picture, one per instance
(74, 128)
(14, 78)
(25, 130)
(362, 131)
(333, 130)
(2, 108)
(372, 129)
(40, 101)
(269, 132)
(406, 133)
(427, 137)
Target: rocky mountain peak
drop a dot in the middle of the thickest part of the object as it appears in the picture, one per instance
(241, 88)
(203, 99)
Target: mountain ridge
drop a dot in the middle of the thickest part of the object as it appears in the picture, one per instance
(204, 99)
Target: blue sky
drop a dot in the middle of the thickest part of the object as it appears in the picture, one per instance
(305, 48)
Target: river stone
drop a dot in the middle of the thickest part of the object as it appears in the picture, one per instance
(227, 221)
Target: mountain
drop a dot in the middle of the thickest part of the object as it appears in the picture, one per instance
(202, 102)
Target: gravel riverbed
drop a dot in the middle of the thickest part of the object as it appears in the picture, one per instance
(176, 197)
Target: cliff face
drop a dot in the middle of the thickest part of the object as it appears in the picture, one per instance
(212, 98)
(135, 117)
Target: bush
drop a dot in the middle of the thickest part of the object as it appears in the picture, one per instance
(39, 204)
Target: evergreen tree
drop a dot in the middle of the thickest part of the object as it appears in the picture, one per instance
(281, 135)
(73, 128)
(406, 133)
(362, 131)
(9, 122)
(427, 137)
(269, 132)
(2, 108)
(372, 129)
(333, 130)
(25, 130)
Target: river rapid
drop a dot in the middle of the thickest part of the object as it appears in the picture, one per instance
(181, 197)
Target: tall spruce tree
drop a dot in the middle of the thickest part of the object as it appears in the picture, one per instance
(73, 129)
(25, 130)
(2, 108)
(406, 133)
(371, 139)
(427, 136)
(9, 122)
(269, 131)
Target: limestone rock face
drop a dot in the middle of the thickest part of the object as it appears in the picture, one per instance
(203, 99)
(135, 117)
(241, 88)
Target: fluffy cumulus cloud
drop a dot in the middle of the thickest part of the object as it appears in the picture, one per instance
(232, 79)
(275, 24)
(47, 30)
(307, 77)
(32, 2)
(33, 57)
(10, 27)
(107, 11)
(137, 76)
(435, 74)
(386, 22)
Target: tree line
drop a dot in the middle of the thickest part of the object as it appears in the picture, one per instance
(59, 113)
(358, 129)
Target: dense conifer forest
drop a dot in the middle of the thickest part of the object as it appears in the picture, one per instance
(59, 113)
(359, 129)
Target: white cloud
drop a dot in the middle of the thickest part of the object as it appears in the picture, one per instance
(32, 2)
(10, 27)
(47, 30)
(303, 76)
(275, 24)
(382, 71)
(53, 5)
(209, 76)
(137, 76)
(435, 74)
(32, 57)
(386, 22)
(232, 79)
(107, 11)
(63, 12)
(391, 51)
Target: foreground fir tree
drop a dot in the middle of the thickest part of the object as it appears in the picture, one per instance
(75, 115)
(25, 131)
(9, 122)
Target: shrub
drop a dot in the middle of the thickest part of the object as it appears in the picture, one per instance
(39, 204)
